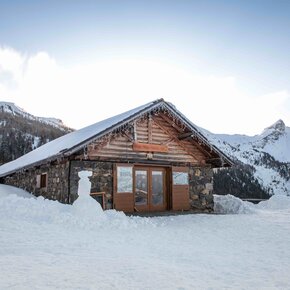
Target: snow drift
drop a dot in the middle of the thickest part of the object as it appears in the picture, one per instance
(48, 245)
(229, 204)
(87, 213)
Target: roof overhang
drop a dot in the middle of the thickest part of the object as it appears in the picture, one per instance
(220, 161)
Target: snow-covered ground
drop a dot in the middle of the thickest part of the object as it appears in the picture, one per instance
(48, 245)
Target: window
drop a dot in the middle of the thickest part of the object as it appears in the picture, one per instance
(124, 179)
(180, 178)
(41, 180)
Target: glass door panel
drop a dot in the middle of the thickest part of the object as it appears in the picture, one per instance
(149, 189)
(141, 187)
(157, 188)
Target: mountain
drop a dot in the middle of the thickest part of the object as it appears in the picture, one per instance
(21, 132)
(11, 108)
(263, 159)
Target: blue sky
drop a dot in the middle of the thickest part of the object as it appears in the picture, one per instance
(248, 41)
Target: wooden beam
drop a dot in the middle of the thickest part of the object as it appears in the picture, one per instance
(201, 148)
(144, 147)
(178, 142)
(168, 141)
(164, 117)
(125, 134)
(185, 135)
(189, 136)
(169, 121)
(135, 131)
(150, 129)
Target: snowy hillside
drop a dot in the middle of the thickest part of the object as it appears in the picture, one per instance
(13, 109)
(21, 132)
(48, 245)
(268, 153)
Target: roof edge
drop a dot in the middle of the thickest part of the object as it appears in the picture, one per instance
(150, 106)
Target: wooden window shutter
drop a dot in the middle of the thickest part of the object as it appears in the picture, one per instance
(180, 188)
(123, 197)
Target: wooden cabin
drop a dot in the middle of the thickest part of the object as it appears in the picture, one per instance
(149, 159)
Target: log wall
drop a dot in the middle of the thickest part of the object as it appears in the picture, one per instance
(158, 131)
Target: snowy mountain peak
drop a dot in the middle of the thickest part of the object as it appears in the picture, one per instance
(52, 121)
(273, 133)
(268, 153)
(278, 127)
(11, 108)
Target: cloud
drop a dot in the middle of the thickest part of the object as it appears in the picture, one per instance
(82, 94)
(12, 62)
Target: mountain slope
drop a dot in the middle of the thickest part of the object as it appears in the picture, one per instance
(263, 161)
(268, 155)
(21, 132)
(11, 108)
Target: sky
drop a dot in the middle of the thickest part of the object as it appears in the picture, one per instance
(224, 64)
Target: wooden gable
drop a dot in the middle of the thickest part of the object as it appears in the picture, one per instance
(154, 137)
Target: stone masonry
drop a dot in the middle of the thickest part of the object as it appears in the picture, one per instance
(201, 188)
(63, 188)
(57, 177)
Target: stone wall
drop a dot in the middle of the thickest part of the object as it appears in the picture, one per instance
(57, 181)
(201, 189)
(200, 183)
(60, 187)
(101, 179)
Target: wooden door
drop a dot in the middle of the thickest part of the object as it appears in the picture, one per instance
(123, 188)
(150, 189)
(180, 188)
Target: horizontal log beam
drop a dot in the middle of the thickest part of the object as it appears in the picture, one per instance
(145, 147)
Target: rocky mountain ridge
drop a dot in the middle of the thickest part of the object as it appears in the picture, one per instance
(21, 132)
(268, 154)
(14, 110)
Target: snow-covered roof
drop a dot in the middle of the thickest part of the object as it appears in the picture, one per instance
(74, 141)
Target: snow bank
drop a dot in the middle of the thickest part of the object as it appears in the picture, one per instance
(276, 202)
(93, 249)
(229, 204)
(6, 190)
(85, 213)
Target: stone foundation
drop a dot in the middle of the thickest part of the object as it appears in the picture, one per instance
(63, 182)
(57, 181)
(201, 189)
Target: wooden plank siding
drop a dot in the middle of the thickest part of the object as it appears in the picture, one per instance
(158, 131)
(149, 147)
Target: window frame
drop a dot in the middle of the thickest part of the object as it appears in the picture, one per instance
(42, 180)
(118, 166)
(174, 179)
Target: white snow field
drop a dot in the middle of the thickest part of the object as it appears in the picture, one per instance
(48, 245)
